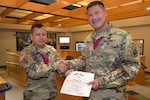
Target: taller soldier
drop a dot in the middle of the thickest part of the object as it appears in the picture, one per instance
(110, 53)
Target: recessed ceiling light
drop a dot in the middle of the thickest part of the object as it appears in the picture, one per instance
(59, 25)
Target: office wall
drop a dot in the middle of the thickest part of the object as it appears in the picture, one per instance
(79, 36)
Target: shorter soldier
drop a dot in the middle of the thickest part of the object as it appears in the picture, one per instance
(37, 61)
(110, 53)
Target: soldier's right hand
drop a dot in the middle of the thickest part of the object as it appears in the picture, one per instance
(63, 66)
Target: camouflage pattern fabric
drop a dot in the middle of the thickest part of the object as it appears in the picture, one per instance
(114, 61)
(41, 83)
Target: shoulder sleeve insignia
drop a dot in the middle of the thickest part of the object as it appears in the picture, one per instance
(134, 51)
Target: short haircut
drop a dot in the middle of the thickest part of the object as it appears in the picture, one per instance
(36, 25)
(94, 3)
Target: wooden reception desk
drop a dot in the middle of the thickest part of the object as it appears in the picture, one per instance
(16, 74)
(2, 85)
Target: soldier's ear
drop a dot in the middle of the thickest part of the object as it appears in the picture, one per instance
(31, 37)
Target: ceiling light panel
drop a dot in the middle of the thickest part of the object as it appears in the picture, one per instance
(44, 16)
(19, 13)
(77, 5)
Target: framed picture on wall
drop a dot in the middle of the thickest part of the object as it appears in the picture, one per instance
(140, 44)
(51, 39)
(22, 40)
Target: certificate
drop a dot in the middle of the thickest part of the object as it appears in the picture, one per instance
(76, 84)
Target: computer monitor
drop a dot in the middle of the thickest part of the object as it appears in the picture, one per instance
(79, 45)
(64, 39)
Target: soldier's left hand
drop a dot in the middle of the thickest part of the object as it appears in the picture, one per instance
(68, 72)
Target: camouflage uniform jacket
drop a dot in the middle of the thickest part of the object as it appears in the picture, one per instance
(114, 61)
(41, 83)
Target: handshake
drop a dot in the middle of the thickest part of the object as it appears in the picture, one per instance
(63, 68)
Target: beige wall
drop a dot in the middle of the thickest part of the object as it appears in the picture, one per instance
(79, 36)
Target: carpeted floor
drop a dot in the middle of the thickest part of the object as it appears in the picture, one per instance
(136, 96)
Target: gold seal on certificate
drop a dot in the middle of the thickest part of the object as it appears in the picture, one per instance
(76, 84)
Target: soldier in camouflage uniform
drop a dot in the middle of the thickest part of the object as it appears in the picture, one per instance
(114, 57)
(37, 61)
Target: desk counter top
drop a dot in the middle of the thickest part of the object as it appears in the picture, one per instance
(2, 81)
